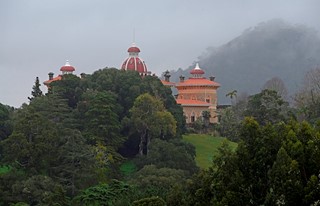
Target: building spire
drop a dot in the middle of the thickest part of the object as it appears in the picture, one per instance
(197, 66)
(134, 35)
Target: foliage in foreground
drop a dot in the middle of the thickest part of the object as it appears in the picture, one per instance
(273, 165)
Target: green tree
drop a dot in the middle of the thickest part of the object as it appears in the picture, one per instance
(285, 181)
(174, 154)
(103, 194)
(146, 114)
(165, 125)
(40, 190)
(274, 164)
(155, 181)
(100, 119)
(276, 84)
(312, 191)
(36, 91)
(232, 94)
(68, 88)
(75, 165)
(5, 121)
(307, 100)
(206, 119)
(229, 124)
(267, 106)
(150, 201)
(45, 142)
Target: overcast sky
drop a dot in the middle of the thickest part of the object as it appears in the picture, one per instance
(38, 36)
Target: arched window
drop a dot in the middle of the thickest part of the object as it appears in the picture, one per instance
(208, 99)
(193, 118)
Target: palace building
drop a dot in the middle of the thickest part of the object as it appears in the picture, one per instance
(196, 94)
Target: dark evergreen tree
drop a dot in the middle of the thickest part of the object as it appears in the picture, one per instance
(5, 121)
(36, 91)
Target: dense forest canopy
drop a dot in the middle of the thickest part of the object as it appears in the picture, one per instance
(79, 133)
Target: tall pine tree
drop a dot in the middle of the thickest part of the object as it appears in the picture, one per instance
(36, 91)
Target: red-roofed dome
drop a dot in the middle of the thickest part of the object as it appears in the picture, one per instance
(134, 49)
(67, 68)
(197, 70)
(134, 62)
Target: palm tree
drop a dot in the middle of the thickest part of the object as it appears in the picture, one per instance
(232, 94)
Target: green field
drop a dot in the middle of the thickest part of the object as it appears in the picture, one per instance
(206, 147)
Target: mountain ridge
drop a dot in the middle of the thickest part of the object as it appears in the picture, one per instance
(271, 49)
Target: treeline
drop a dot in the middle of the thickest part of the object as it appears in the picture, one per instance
(68, 145)
(72, 146)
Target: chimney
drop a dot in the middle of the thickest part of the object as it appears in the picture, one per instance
(51, 75)
(212, 78)
(167, 76)
(181, 78)
(82, 75)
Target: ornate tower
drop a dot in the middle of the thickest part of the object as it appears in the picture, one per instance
(134, 62)
(197, 94)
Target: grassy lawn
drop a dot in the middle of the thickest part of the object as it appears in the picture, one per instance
(206, 147)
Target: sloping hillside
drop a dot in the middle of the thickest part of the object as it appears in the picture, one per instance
(206, 147)
(270, 49)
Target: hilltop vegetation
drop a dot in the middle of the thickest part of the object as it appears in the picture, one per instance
(270, 49)
(78, 135)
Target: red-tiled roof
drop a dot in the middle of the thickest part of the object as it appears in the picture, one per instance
(67, 69)
(168, 83)
(198, 82)
(57, 78)
(191, 102)
(196, 71)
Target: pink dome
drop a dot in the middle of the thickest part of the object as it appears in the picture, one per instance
(134, 62)
(67, 67)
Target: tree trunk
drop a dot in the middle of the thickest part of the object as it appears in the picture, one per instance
(142, 141)
(148, 142)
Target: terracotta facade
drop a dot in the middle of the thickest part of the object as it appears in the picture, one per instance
(196, 94)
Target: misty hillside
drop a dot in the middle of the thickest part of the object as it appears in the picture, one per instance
(270, 49)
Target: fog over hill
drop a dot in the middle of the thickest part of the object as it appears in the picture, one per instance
(270, 49)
